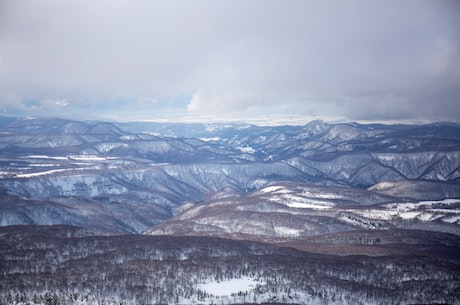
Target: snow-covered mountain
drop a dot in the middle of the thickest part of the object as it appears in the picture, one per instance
(61, 171)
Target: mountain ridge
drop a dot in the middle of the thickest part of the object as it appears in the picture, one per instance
(77, 168)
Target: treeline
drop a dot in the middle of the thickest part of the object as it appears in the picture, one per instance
(58, 265)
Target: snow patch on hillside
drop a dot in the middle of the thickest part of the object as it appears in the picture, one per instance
(247, 150)
(414, 205)
(287, 231)
(44, 157)
(276, 189)
(299, 202)
(89, 158)
(54, 171)
(429, 210)
(323, 195)
(300, 205)
(215, 139)
(382, 186)
(108, 147)
(454, 219)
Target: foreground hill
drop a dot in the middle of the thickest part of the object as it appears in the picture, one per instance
(62, 265)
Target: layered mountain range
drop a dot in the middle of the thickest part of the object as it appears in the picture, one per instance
(318, 193)
(96, 174)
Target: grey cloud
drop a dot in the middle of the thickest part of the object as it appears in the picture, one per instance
(352, 59)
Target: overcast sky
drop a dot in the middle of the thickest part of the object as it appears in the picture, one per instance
(267, 61)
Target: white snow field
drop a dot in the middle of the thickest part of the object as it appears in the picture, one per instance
(229, 287)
